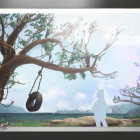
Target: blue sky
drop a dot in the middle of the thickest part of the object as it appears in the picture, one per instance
(60, 94)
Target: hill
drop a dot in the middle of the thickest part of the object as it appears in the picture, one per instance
(11, 109)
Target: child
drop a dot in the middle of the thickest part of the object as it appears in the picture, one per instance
(99, 109)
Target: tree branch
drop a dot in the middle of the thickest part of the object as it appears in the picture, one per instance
(7, 105)
(129, 94)
(103, 75)
(17, 82)
(86, 51)
(22, 59)
(108, 45)
(13, 36)
(64, 49)
(123, 100)
(36, 18)
(6, 45)
(42, 41)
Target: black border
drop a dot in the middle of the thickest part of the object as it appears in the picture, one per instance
(68, 135)
(70, 4)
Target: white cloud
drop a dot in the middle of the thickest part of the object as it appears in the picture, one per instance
(127, 54)
(126, 39)
(108, 98)
(131, 76)
(54, 94)
(101, 85)
(85, 107)
(80, 96)
(111, 86)
(64, 105)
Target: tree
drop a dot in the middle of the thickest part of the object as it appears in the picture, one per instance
(132, 93)
(20, 33)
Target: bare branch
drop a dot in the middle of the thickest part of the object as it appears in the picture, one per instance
(103, 75)
(70, 44)
(64, 49)
(123, 100)
(68, 31)
(108, 45)
(7, 105)
(17, 82)
(86, 51)
(129, 92)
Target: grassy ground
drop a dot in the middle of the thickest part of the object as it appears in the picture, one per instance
(24, 124)
(134, 119)
(136, 123)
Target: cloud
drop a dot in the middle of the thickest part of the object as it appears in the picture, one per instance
(131, 76)
(127, 54)
(108, 98)
(111, 86)
(54, 94)
(64, 105)
(126, 39)
(80, 96)
(85, 107)
(101, 85)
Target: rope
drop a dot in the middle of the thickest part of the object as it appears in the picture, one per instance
(39, 75)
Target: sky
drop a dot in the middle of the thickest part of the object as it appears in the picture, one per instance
(61, 94)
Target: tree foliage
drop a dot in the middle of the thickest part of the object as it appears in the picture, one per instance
(131, 94)
(20, 33)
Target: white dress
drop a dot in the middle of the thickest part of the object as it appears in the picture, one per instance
(99, 110)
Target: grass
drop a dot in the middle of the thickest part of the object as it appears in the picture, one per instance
(136, 123)
(25, 124)
(134, 116)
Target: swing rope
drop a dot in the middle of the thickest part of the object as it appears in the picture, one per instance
(34, 100)
(39, 75)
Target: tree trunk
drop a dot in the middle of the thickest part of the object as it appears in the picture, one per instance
(6, 71)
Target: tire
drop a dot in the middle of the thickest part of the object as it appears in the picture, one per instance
(34, 102)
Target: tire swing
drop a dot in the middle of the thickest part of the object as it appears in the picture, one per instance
(34, 100)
